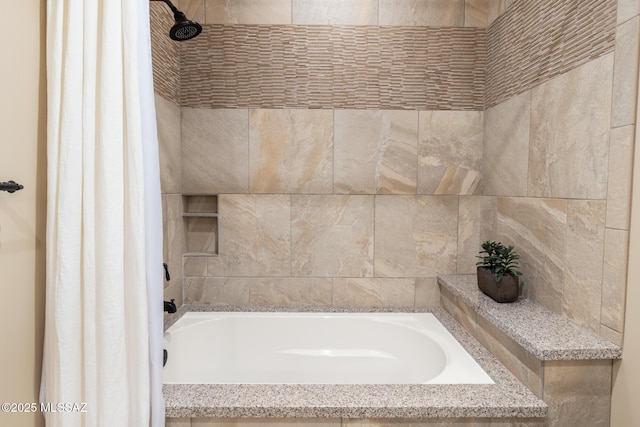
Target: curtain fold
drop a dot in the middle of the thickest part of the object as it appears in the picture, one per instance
(104, 263)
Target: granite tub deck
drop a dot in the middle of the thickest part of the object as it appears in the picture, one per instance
(507, 398)
(567, 366)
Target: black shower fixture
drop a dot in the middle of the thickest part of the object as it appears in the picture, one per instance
(184, 29)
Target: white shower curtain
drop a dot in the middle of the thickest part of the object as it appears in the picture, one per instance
(103, 328)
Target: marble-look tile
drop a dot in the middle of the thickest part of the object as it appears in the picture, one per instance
(614, 278)
(174, 236)
(202, 235)
(469, 229)
(375, 152)
(497, 8)
(427, 292)
(216, 291)
(625, 73)
(332, 236)
(291, 151)
(578, 392)
(583, 262)
(506, 147)
(173, 291)
(449, 152)
(476, 13)
(178, 422)
(255, 12)
(215, 151)
(536, 227)
(194, 9)
(290, 291)
(460, 311)
(335, 12)
(374, 292)
(194, 266)
(570, 122)
(432, 13)
(524, 365)
(489, 218)
(619, 180)
(611, 335)
(271, 422)
(627, 9)
(254, 236)
(169, 145)
(416, 236)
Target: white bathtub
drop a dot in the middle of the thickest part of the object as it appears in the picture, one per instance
(316, 348)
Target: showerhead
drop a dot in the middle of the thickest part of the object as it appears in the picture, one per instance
(184, 29)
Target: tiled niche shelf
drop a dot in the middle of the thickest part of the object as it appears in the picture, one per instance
(201, 224)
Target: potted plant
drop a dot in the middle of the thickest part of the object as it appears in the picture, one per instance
(497, 271)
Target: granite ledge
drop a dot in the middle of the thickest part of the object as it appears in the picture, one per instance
(507, 398)
(545, 334)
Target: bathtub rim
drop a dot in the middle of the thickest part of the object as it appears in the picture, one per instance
(507, 398)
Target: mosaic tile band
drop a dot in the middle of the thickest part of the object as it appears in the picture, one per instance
(371, 67)
(277, 66)
(532, 42)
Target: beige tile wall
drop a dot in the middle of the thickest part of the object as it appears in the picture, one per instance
(438, 13)
(309, 229)
(391, 189)
(557, 161)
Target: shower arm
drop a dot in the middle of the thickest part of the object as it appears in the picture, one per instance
(171, 6)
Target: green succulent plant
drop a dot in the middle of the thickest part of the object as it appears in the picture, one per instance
(501, 260)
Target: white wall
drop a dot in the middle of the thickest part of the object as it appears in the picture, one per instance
(22, 214)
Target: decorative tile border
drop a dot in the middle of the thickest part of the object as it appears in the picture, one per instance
(532, 42)
(165, 53)
(371, 67)
(360, 67)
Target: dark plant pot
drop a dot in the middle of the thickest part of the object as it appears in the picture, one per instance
(506, 290)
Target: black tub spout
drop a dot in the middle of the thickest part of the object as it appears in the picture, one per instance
(170, 306)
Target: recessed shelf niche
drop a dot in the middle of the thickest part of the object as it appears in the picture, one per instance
(200, 218)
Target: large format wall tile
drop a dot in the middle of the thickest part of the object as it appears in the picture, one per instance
(449, 152)
(291, 151)
(619, 179)
(290, 291)
(254, 236)
(434, 13)
(625, 76)
(578, 392)
(506, 147)
(374, 292)
(614, 279)
(216, 290)
(536, 227)
(469, 226)
(583, 262)
(332, 236)
(261, 12)
(375, 152)
(215, 151)
(335, 12)
(416, 236)
(169, 145)
(570, 122)
(174, 242)
(476, 13)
